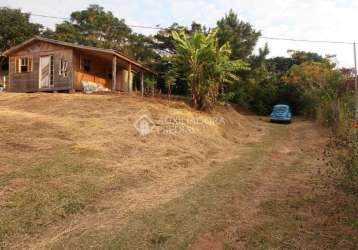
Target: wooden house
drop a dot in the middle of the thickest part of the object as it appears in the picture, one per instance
(41, 64)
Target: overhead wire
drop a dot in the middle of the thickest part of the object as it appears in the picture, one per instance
(261, 37)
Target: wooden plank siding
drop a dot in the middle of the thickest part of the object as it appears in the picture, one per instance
(100, 70)
(29, 81)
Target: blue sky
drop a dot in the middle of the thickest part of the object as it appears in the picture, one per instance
(304, 19)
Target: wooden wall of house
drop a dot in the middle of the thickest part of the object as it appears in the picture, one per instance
(29, 81)
(100, 70)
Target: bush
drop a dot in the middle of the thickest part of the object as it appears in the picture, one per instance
(343, 149)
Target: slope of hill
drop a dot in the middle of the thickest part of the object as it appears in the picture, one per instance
(75, 173)
(65, 154)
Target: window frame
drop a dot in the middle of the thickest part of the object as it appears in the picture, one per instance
(63, 67)
(19, 63)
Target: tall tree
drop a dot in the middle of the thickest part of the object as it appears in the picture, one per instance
(141, 48)
(163, 40)
(95, 27)
(15, 27)
(241, 36)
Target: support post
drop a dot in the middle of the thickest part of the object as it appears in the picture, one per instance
(355, 83)
(114, 73)
(130, 86)
(142, 83)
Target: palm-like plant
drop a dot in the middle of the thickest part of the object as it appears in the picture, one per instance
(206, 66)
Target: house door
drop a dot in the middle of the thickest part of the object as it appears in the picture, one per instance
(46, 72)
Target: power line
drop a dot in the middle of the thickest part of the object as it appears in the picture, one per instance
(304, 40)
(145, 27)
(261, 37)
(64, 18)
(53, 17)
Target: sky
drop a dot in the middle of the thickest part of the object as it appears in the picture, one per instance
(334, 20)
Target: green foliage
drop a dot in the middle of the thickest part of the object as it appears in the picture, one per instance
(149, 82)
(163, 44)
(280, 65)
(342, 151)
(351, 161)
(227, 97)
(164, 39)
(299, 57)
(241, 36)
(205, 65)
(95, 27)
(141, 48)
(15, 27)
(170, 79)
(319, 82)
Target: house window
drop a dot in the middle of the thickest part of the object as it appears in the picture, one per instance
(63, 67)
(23, 64)
(87, 65)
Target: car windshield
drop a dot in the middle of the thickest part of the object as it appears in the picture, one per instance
(280, 108)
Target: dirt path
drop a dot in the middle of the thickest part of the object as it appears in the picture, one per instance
(287, 204)
(292, 156)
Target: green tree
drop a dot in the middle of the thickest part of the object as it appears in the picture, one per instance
(171, 79)
(141, 48)
(241, 36)
(95, 27)
(205, 64)
(320, 83)
(311, 76)
(164, 41)
(280, 65)
(99, 28)
(15, 27)
(298, 57)
(164, 44)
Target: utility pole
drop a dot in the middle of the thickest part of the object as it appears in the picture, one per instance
(355, 83)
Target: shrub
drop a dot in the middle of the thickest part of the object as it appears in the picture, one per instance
(343, 149)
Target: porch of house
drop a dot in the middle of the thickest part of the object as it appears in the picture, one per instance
(99, 68)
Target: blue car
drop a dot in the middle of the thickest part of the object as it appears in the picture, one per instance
(281, 113)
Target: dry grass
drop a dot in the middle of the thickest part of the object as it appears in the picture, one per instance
(77, 158)
(75, 174)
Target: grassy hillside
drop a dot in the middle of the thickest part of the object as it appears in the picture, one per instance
(76, 174)
(64, 155)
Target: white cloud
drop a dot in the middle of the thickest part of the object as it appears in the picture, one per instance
(304, 19)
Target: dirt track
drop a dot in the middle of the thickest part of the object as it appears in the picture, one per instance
(85, 179)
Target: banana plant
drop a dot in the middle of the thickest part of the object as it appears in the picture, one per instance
(205, 64)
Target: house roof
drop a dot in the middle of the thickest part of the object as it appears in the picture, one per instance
(78, 46)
